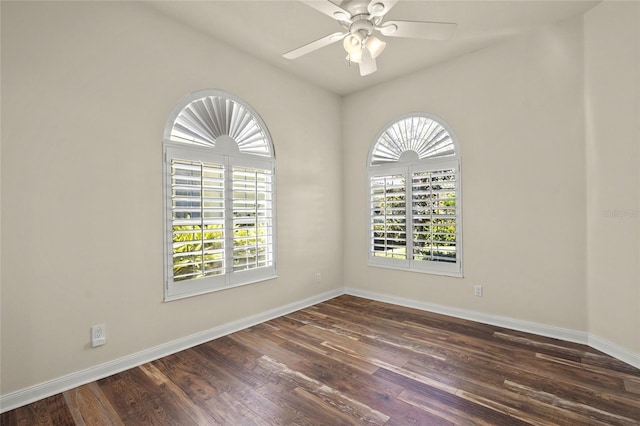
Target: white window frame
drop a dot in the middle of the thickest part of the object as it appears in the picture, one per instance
(407, 166)
(225, 154)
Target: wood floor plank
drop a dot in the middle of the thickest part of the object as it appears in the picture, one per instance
(191, 372)
(585, 413)
(193, 410)
(476, 378)
(391, 356)
(137, 400)
(229, 410)
(269, 343)
(305, 411)
(632, 385)
(89, 406)
(301, 343)
(359, 412)
(240, 353)
(383, 325)
(335, 413)
(269, 411)
(448, 404)
(370, 389)
(355, 361)
(285, 322)
(345, 376)
(49, 411)
(488, 388)
(230, 367)
(26, 415)
(10, 417)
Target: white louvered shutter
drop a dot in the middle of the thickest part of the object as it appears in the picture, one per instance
(197, 213)
(434, 215)
(252, 218)
(388, 226)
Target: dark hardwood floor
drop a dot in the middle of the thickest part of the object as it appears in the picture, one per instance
(355, 361)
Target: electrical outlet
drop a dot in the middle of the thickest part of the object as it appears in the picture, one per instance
(318, 277)
(477, 290)
(98, 335)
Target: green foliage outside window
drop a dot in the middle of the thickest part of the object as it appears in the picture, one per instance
(195, 257)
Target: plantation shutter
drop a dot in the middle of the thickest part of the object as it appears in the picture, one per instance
(434, 215)
(252, 218)
(388, 226)
(197, 213)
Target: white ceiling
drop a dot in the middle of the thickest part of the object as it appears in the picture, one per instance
(267, 29)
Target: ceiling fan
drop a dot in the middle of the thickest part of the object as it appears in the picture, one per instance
(360, 18)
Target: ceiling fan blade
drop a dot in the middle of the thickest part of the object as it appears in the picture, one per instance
(367, 63)
(416, 29)
(329, 9)
(314, 45)
(380, 7)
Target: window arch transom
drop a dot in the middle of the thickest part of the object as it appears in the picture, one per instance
(412, 138)
(217, 119)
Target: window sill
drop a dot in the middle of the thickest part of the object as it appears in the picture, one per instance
(454, 274)
(171, 298)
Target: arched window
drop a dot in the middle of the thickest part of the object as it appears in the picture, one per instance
(219, 196)
(415, 220)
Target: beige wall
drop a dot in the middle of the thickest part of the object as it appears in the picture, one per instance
(516, 109)
(612, 97)
(86, 90)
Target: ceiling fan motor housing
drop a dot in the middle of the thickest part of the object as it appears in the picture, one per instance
(361, 26)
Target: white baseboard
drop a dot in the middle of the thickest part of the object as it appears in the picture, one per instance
(614, 350)
(506, 322)
(61, 384)
(73, 380)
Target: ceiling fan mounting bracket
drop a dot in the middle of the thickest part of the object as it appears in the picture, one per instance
(356, 7)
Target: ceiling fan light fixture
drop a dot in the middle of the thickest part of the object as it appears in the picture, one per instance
(367, 63)
(375, 46)
(352, 43)
(355, 57)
